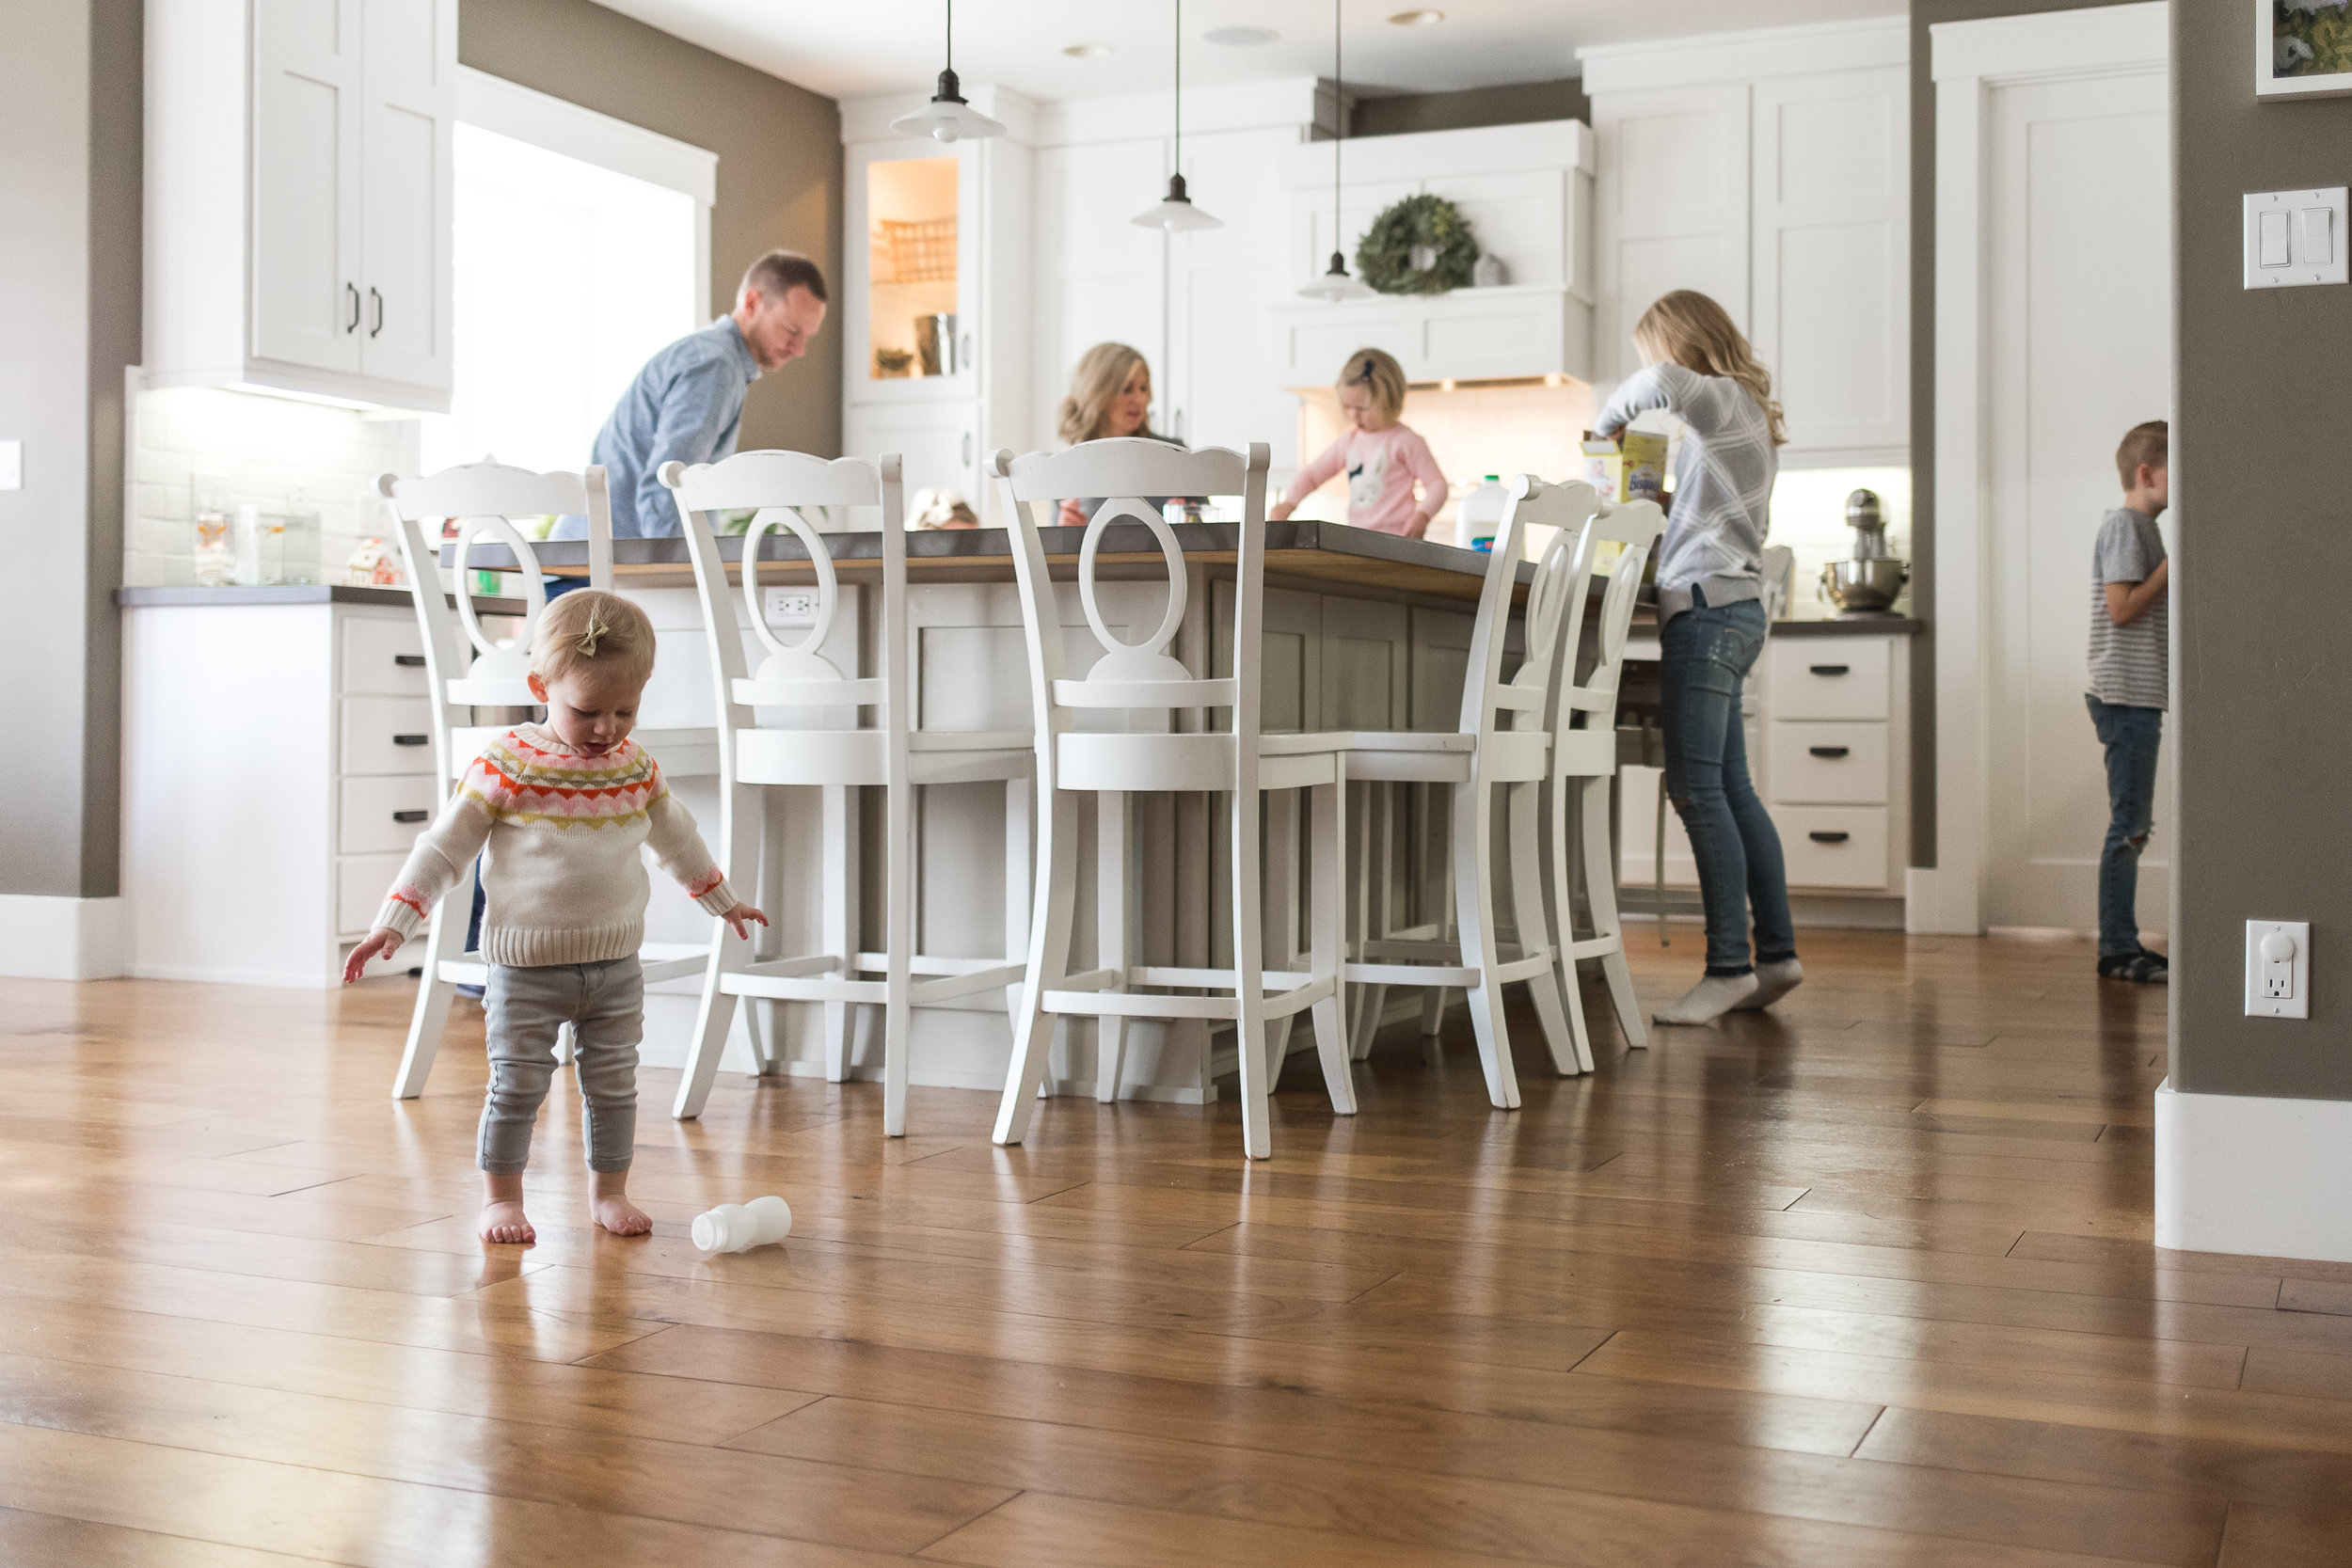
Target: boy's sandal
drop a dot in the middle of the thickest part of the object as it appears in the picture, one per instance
(2142, 968)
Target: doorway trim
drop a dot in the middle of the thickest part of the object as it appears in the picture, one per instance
(1969, 60)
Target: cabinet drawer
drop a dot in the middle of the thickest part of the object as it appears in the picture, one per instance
(1829, 765)
(360, 883)
(1834, 846)
(383, 655)
(387, 735)
(1829, 677)
(384, 815)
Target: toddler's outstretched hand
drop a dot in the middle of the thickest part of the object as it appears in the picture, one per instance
(383, 940)
(742, 916)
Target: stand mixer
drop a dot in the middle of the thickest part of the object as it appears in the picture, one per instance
(1865, 584)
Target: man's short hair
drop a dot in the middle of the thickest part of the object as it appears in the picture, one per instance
(779, 273)
(2149, 443)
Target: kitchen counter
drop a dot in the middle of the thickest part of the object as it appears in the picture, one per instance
(292, 594)
(1848, 625)
(1330, 556)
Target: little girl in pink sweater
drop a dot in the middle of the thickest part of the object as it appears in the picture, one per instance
(1381, 457)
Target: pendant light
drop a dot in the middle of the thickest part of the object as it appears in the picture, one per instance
(947, 117)
(1177, 212)
(1336, 285)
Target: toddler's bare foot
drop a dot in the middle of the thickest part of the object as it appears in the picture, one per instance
(616, 1213)
(502, 1220)
(607, 1199)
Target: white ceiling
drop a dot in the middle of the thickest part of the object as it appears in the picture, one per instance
(848, 48)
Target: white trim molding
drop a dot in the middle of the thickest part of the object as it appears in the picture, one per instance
(2255, 1176)
(63, 939)
(1971, 59)
(1804, 50)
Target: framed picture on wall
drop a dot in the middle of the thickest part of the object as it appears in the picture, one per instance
(2302, 48)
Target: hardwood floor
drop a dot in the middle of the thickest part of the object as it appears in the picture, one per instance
(1866, 1281)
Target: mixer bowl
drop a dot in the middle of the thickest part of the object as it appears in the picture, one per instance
(1864, 585)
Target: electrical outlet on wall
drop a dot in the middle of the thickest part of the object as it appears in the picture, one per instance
(789, 606)
(2278, 969)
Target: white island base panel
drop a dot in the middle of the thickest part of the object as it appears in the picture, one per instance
(2253, 1175)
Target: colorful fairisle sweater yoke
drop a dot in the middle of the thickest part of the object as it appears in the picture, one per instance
(559, 832)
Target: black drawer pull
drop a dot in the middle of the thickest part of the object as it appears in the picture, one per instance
(410, 661)
(421, 740)
(1828, 751)
(420, 815)
(1828, 838)
(1831, 669)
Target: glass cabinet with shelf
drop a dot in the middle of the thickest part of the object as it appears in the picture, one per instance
(911, 242)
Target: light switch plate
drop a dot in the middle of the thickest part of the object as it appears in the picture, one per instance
(2311, 224)
(11, 465)
(2278, 969)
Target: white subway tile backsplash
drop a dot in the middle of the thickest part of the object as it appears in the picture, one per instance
(262, 448)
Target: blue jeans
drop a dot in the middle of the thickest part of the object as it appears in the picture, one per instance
(2130, 734)
(1706, 651)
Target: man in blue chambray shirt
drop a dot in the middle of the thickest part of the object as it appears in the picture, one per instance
(687, 403)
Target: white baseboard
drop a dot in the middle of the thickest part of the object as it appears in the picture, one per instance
(63, 939)
(2255, 1176)
(1938, 904)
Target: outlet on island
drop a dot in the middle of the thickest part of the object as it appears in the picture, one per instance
(789, 606)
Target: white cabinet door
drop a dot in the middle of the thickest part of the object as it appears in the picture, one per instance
(1673, 198)
(1831, 256)
(305, 276)
(941, 443)
(409, 93)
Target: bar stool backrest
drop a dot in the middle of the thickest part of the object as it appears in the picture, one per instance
(1136, 675)
(796, 492)
(1489, 703)
(464, 669)
(1633, 527)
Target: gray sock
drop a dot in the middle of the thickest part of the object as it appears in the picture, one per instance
(1773, 982)
(1710, 999)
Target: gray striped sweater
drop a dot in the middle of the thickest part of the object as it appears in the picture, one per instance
(1722, 484)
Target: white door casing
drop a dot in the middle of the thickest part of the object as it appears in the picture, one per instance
(2051, 97)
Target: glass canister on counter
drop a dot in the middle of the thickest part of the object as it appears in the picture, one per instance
(209, 509)
(269, 548)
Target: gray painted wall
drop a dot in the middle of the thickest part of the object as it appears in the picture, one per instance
(1517, 103)
(69, 93)
(2263, 493)
(779, 150)
(1925, 14)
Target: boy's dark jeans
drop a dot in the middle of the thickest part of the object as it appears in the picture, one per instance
(2130, 734)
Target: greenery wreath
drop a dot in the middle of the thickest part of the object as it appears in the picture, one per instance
(1384, 258)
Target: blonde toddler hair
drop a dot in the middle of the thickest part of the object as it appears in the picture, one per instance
(1376, 370)
(1102, 375)
(1688, 329)
(592, 629)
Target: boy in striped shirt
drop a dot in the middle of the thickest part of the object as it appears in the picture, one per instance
(2130, 646)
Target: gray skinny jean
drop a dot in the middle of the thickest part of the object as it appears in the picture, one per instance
(605, 1004)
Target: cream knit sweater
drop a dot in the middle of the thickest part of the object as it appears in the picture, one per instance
(562, 882)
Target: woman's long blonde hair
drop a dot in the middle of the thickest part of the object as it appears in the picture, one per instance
(1687, 328)
(1102, 375)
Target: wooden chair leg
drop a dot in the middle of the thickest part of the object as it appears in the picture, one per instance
(1527, 911)
(1114, 928)
(840, 921)
(1328, 937)
(1249, 1021)
(1473, 915)
(898, 940)
(1600, 892)
(443, 941)
(1049, 963)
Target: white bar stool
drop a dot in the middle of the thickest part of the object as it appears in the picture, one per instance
(1500, 743)
(465, 670)
(1583, 724)
(1140, 682)
(891, 753)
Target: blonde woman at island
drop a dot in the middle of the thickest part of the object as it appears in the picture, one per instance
(1110, 395)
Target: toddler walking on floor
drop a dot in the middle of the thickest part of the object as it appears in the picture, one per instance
(559, 810)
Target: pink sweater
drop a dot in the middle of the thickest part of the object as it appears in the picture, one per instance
(1381, 466)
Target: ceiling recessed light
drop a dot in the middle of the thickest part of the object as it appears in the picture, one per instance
(1241, 37)
(1416, 19)
(1087, 51)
